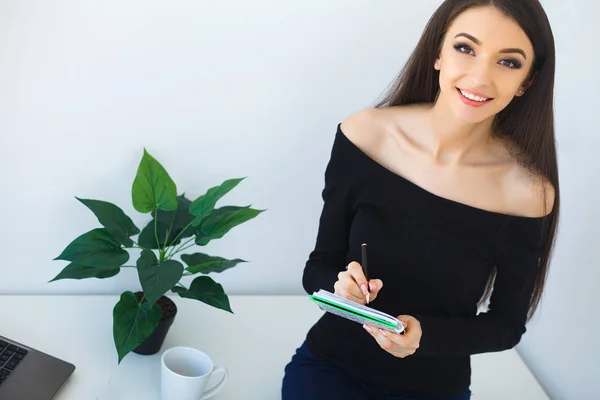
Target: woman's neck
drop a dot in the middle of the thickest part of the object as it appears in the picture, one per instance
(452, 140)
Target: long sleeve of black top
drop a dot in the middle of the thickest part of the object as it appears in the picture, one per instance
(329, 255)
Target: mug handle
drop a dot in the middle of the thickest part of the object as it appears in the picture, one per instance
(218, 386)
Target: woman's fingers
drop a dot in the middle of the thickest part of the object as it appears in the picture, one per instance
(412, 328)
(380, 336)
(356, 272)
(352, 284)
(375, 286)
(383, 337)
(347, 287)
(393, 343)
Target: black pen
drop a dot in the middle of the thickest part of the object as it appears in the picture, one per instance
(365, 270)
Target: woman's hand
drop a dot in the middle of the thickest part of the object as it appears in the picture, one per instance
(396, 344)
(352, 284)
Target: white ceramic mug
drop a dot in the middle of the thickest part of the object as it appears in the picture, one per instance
(184, 373)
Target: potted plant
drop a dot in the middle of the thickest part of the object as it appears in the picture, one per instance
(142, 319)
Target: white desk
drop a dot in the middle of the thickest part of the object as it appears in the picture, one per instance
(79, 330)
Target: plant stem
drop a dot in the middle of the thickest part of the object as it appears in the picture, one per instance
(180, 248)
(169, 230)
(183, 230)
(185, 248)
(182, 285)
(170, 251)
(173, 250)
(167, 238)
(137, 246)
(156, 228)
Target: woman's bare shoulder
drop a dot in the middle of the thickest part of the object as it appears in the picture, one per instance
(368, 128)
(363, 128)
(528, 193)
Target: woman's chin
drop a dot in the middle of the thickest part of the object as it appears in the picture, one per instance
(473, 116)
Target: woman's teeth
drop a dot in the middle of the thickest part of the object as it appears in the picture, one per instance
(473, 97)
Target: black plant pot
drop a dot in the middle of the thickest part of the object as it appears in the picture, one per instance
(155, 341)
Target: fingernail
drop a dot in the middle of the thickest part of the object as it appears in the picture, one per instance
(372, 285)
(384, 333)
(368, 329)
(363, 287)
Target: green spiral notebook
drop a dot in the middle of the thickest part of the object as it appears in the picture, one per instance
(362, 314)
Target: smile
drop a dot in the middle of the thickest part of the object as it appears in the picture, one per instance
(471, 99)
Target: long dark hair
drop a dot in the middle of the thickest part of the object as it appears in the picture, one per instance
(528, 121)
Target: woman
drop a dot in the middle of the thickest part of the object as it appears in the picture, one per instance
(452, 182)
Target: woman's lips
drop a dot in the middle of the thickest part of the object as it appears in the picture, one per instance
(472, 103)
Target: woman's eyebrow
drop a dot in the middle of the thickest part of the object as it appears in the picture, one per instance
(478, 42)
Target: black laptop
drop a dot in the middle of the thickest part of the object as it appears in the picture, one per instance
(29, 374)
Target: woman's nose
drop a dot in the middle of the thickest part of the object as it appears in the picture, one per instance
(481, 73)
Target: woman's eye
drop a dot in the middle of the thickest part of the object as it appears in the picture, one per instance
(463, 48)
(513, 64)
(466, 49)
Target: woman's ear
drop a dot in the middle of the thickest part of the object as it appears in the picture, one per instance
(437, 64)
(526, 85)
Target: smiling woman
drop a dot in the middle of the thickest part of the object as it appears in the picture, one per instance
(482, 70)
(502, 52)
(452, 180)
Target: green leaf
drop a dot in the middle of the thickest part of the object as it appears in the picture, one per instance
(199, 262)
(96, 248)
(113, 219)
(77, 271)
(204, 205)
(153, 188)
(178, 289)
(221, 221)
(206, 290)
(180, 218)
(157, 278)
(133, 323)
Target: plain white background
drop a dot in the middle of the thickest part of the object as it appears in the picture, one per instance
(217, 90)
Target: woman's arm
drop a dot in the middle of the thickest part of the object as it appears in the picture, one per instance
(328, 258)
(501, 327)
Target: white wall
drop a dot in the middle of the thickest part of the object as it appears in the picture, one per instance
(216, 90)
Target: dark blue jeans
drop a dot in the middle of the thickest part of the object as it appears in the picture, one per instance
(307, 377)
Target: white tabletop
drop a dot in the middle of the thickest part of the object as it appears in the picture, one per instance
(78, 329)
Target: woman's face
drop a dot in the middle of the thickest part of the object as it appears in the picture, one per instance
(485, 56)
